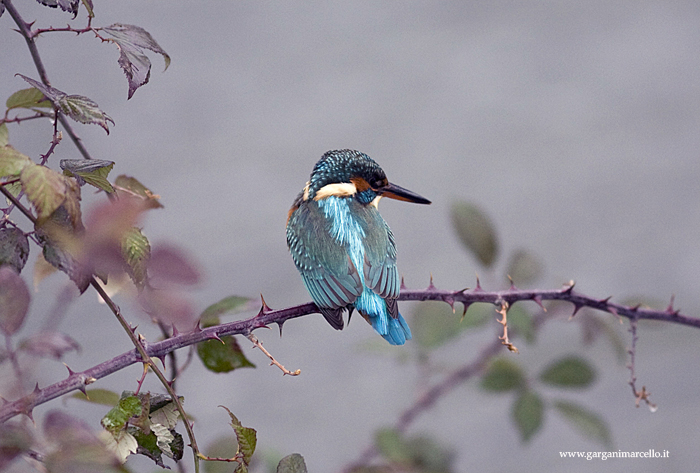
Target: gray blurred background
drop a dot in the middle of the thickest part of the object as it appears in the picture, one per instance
(574, 125)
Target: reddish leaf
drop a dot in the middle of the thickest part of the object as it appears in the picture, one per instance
(168, 307)
(169, 265)
(131, 41)
(14, 300)
(49, 345)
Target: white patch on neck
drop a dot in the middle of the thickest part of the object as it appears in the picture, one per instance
(340, 189)
(375, 202)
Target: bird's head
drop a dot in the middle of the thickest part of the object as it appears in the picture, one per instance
(345, 173)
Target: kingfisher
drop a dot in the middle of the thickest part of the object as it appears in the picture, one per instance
(343, 248)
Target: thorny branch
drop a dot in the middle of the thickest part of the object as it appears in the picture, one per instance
(267, 316)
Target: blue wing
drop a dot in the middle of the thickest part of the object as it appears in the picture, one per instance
(326, 269)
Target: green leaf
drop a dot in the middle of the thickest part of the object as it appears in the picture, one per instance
(12, 162)
(4, 135)
(98, 396)
(586, 422)
(571, 371)
(475, 231)
(246, 437)
(392, 446)
(28, 98)
(434, 324)
(211, 314)
(131, 41)
(136, 251)
(133, 187)
(527, 414)
(92, 171)
(502, 375)
(520, 320)
(116, 419)
(524, 268)
(15, 439)
(429, 455)
(77, 107)
(222, 357)
(14, 248)
(293, 463)
(45, 188)
(14, 300)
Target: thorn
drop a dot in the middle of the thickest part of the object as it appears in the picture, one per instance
(28, 412)
(605, 301)
(36, 389)
(162, 361)
(451, 302)
(478, 284)
(570, 287)
(175, 331)
(264, 309)
(577, 307)
(635, 308)
(512, 284)
(279, 324)
(70, 371)
(133, 328)
(538, 301)
(83, 390)
(403, 285)
(669, 309)
(462, 291)
(431, 286)
(198, 326)
(214, 336)
(464, 312)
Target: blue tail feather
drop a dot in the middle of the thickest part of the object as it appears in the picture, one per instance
(394, 331)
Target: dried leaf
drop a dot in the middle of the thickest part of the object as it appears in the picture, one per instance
(14, 300)
(131, 41)
(77, 107)
(130, 185)
(92, 171)
(14, 248)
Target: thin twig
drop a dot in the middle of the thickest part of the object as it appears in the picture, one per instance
(642, 395)
(258, 344)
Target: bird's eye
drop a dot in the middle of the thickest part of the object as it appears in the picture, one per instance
(378, 183)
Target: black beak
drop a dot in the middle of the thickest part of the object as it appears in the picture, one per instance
(393, 191)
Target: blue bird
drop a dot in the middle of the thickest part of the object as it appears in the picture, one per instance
(343, 248)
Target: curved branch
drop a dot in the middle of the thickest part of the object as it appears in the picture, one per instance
(267, 316)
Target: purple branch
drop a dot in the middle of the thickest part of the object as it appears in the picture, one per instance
(267, 316)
